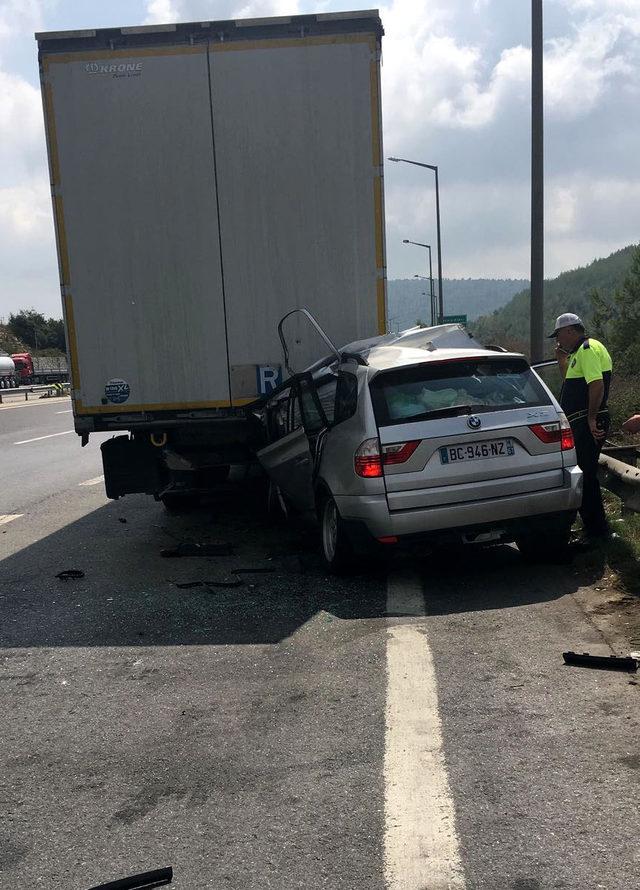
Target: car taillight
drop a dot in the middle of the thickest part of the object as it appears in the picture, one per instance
(399, 452)
(555, 432)
(567, 442)
(368, 460)
(546, 432)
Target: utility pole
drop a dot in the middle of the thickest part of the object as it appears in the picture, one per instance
(537, 186)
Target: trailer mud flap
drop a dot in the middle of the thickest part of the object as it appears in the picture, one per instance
(130, 467)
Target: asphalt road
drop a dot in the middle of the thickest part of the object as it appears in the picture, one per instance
(49, 456)
(411, 728)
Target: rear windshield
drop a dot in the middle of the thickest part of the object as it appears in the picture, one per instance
(446, 389)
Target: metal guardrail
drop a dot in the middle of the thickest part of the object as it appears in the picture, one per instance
(623, 479)
(52, 389)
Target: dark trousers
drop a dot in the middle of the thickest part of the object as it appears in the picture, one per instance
(588, 452)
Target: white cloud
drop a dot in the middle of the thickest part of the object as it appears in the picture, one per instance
(476, 107)
(430, 78)
(27, 248)
(18, 16)
(21, 128)
(26, 211)
(574, 204)
(578, 69)
(162, 11)
(604, 6)
(561, 210)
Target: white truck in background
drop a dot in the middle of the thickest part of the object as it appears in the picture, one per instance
(8, 375)
(206, 179)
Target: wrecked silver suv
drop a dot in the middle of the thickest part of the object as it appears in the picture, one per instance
(424, 434)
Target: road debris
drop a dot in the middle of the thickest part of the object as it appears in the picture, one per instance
(188, 548)
(266, 570)
(605, 662)
(147, 879)
(70, 575)
(189, 585)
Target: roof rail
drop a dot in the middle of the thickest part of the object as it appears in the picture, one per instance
(354, 357)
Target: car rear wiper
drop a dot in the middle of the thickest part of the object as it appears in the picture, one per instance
(454, 411)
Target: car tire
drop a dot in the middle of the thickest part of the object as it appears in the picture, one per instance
(544, 546)
(335, 544)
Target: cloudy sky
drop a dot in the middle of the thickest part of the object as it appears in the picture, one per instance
(456, 92)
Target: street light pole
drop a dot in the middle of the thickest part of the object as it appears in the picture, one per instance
(428, 247)
(537, 186)
(435, 170)
(432, 296)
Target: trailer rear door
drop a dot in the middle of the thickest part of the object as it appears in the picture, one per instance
(298, 157)
(131, 156)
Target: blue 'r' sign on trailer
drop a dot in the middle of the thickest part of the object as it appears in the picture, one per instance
(269, 378)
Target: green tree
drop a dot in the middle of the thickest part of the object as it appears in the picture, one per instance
(617, 319)
(30, 327)
(55, 328)
(38, 332)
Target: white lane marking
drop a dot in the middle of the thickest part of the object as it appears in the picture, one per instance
(10, 517)
(96, 481)
(40, 438)
(421, 842)
(68, 411)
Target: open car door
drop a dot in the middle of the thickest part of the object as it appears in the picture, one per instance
(295, 422)
(549, 373)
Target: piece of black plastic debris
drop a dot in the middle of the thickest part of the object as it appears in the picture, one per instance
(268, 570)
(236, 583)
(188, 585)
(70, 575)
(122, 520)
(187, 548)
(144, 881)
(606, 662)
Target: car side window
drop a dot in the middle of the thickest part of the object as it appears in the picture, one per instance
(313, 421)
(278, 417)
(327, 396)
(346, 397)
(296, 416)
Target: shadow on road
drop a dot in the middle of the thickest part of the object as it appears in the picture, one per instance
(129, 595)
(473, 580)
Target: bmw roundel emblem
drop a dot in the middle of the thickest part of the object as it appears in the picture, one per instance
(474, 422)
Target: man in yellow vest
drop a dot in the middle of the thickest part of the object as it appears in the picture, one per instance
(586, 368)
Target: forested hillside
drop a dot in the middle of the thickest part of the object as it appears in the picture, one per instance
(570, 292)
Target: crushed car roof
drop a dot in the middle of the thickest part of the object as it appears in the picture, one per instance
(413, 346)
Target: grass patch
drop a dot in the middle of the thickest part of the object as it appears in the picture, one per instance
(623, 550)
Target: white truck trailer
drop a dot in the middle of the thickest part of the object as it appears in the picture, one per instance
(206, 179)
(8, 376)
